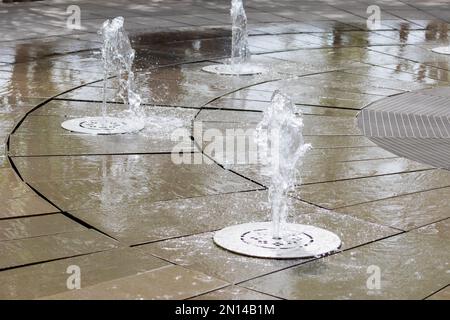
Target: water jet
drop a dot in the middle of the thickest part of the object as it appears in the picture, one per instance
(280, 148)
(239, 63)
(118, 57)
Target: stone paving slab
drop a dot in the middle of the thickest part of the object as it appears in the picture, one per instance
(405, 212)
(63, 78)
(162, 220)
(444, 294)
(175, 218)
(253, 105)
(337, 194)
(386, 78)
(317, 141)
(413, 53)
(3, 161)
(50, 278)
(234, 293)
(349, 154)
(315, 170)
(407, 81)
(171, 282)
(147, 178)
(404, 261)
(73, 109)
(12, 187)
(313, 125)
(304, 94)
(161, 122)
(200, 253)
(332, 81)
(175, 98)
(25, 206)
(21, 252)
(22, 228)
(51, 145)
(21, 51)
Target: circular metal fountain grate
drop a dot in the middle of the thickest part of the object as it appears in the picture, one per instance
(262, 238)
(242, 70)
(104, 126)
(297, 240)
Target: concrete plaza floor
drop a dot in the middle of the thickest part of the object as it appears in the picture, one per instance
(140, 226)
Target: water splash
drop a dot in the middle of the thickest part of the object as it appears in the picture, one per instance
(239, 46)
(280, 147)
(239, 63)
(118, 57)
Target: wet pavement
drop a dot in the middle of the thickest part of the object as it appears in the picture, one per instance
(140, 226)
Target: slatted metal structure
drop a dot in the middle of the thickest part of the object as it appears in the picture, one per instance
(414, 125)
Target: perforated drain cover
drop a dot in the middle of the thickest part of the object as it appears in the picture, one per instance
(102, 125)
(442, 50)
(297, 241)
(228, 69)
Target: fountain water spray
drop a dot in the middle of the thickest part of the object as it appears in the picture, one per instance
(280, 148)
(239, 35)
(118, 57)
(240, 54)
